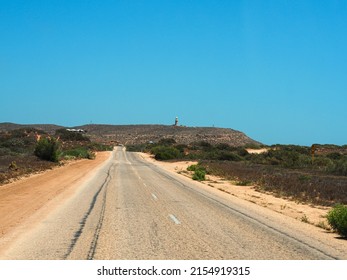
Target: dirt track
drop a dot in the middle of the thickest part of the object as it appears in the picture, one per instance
(22, 199)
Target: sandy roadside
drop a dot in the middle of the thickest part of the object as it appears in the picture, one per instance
(20, 200)
(310, 214)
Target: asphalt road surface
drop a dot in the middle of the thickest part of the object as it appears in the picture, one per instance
(132, 209)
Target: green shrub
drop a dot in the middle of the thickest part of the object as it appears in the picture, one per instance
(285, 156)
(199, 175)
(339, 167)
(201, 145)
(223, 147)
(192, 167)
(199, 172)
(229, 156)
(165, 153)
(195, 167)
(67, 135)
(136, 148)
(242, 152)
(80, 152)
(47, 149)
(167, 142)
(181, 147)
(322, 161)
(99, 147)
(337, 219)
(13, 166)
(91, 155)
(334, 156)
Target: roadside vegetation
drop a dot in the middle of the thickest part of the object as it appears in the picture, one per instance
(28, 150)
(199, 172)
(47, 148)
(337, 218)
(284, 170)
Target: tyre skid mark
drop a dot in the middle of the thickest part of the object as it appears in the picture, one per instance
(82, 223)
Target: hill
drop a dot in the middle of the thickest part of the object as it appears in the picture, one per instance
(138, 134)
(49, 128)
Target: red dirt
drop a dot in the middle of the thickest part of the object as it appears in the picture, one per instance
(23, 198)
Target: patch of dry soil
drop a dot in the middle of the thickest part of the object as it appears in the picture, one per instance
(20, 200)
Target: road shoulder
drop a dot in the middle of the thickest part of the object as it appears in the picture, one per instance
(27, 201)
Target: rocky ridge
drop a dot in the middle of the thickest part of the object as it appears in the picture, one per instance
(139, 134)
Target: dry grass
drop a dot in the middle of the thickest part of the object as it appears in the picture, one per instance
(25, 165)
(303, 186)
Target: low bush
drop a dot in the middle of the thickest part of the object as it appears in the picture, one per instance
(229, 156)
(337, 219)
(338, 167)
(199, 172)
(66, 135)
(193, 167)
(199, 175)
(166, 142)
(47, 149)
(136, 148)
(80, 152)
(13, 166)
(289, 157)
(99, 147)
(165, 152)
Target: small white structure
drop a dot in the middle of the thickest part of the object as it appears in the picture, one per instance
(176, 121)
(75, 130)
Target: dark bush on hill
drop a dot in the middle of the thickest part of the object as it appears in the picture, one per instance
(66, 135)
(229, 156)
(166, 142)
(338, 167)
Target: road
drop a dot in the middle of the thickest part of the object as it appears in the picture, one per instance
(132, 209)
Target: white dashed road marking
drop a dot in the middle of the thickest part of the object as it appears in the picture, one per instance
(176, 221)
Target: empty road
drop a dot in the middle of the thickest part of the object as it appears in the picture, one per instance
(132, 209)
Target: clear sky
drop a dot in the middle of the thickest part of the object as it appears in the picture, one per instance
(276, 70)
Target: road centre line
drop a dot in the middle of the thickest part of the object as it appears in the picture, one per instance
(176, 221)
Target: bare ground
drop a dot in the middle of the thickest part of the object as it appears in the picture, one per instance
(21, 200)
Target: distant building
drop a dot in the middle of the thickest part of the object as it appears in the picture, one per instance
(75, 130)
(176, 121)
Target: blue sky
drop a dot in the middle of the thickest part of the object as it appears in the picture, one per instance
(276, 70)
